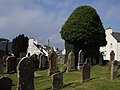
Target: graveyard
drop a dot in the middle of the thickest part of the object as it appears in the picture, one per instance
(88, 77)
(84, 66)
(99, 80)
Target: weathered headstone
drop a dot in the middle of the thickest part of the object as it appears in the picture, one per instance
(34, 57)
(101, 62)
(86, 70)
(71, 62)
(11, 63)
(52, 57)
(112, 55)
(5, 83)
(39, 59)
(43, 62)
(80, 59)
(25, 73)
(1, 66)
(114, 69)
(57, 81)
(22, 54)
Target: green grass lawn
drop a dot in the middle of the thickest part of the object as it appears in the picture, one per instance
(100, 80)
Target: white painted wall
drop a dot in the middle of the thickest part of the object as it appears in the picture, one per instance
(32, 49)
(118, 52)
(111, 45)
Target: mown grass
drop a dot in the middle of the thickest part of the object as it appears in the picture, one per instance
(100, 80)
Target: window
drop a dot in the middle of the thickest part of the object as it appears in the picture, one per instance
(111, 45)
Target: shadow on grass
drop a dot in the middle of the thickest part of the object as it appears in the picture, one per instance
(68, 84)
(94, 78)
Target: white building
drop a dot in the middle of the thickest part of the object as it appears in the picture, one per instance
(113, 43)
(63, 52)
(35, 48)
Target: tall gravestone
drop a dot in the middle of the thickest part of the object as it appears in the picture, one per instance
(11, 63)
(52, 58)
(1, 66)
(39, 59)
(34, 57)
(5, 83)
(25, 74)
(43, 62)
(86, 70)
(80, 59)
(114, 69)
(71, 62)
(57, 81)
(112, 55)
(101, 62)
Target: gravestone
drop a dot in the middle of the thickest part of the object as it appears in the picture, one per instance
(22, 54)
(86, 70)
(39, 59)
(101, 61)
(34, 57)
(11, 63)
(52, 58)
(71, 62)
(114, 69)
(80, 59)
(112, 55)
(25, 74)
(57, 81)
(1, 66)
(5, 83)
(43, 62)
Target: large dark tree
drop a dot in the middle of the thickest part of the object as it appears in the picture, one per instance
(19, 44)
(84, 30)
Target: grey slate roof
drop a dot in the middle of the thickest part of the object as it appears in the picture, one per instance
(116, 35)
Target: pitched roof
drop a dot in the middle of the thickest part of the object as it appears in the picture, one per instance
(116, 35)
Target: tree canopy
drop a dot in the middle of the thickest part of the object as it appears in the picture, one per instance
(84, 25)
(19, 44)
(82, 30)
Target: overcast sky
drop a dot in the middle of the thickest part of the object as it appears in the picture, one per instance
(43, 19)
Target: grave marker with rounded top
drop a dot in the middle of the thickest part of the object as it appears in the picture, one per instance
(25, 74)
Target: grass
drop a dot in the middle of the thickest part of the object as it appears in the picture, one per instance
(100, 80)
